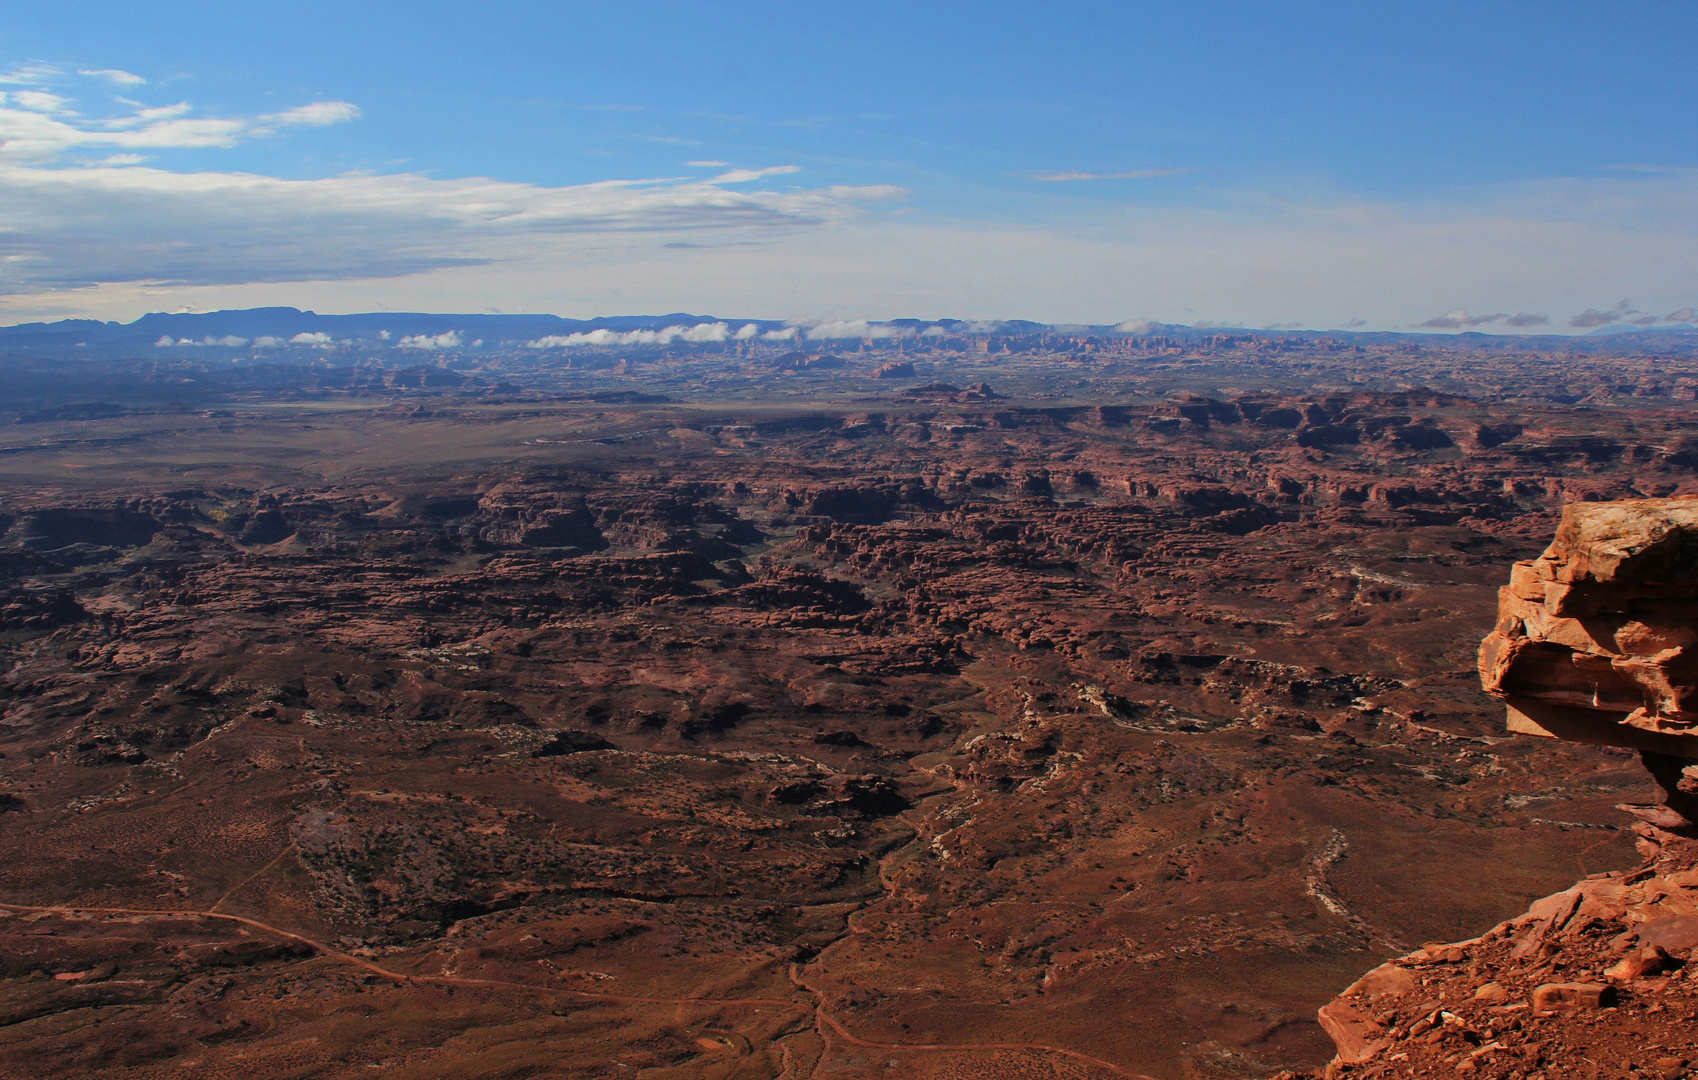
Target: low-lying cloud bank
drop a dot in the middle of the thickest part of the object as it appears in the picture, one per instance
(452, 339)
(1626, 313)
(1623, 313)
(832, 330)
(255, 330)
(665, 336)
(1462, 320)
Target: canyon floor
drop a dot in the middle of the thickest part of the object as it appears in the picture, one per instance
(1023, 722)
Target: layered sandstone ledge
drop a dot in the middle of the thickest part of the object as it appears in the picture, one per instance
(1597, 642)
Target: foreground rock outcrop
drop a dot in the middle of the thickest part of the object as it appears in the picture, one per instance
(1597, 641)
(1593, 981)
(1594, 643)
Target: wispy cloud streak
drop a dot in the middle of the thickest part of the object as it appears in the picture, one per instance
(1135, 174)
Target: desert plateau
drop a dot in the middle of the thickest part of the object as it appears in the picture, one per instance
(1007, 707)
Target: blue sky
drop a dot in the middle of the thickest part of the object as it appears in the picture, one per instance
(1383, 165)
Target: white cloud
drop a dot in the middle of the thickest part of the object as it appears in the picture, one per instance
(1133, 326)
(318, 114)
(143, 116)
(743, 176)
(705, 332)
(266, 341)
(852, 328)
(228, 341)
(707, 164)
(37, 128)
(1136, 174)
(573, 341)
(115, 76)
(701, 332)
(432, 342)
(745, 332)
(34, 72)
(39, 101)
(311, 338)
(1459, 319)
(787, 334)
(1592, 317)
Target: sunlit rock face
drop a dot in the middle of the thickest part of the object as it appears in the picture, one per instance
(1597, 641)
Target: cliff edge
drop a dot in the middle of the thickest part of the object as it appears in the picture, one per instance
(1597, 642)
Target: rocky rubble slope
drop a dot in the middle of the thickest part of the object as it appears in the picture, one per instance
(1593, 644)
(1592, 981)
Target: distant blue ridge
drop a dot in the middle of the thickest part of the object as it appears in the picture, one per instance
(509, 330)
(286, 322)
